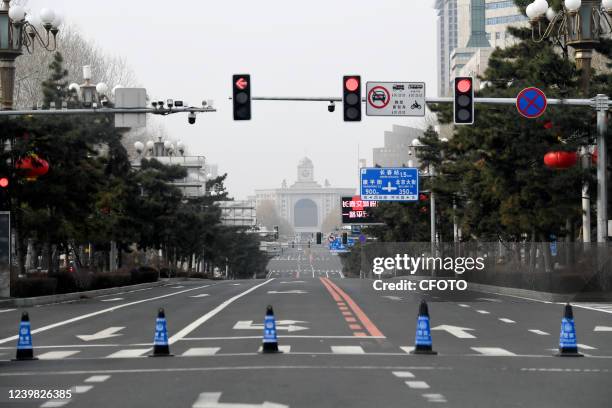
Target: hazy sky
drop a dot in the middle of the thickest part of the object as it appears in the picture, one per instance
(189, 50)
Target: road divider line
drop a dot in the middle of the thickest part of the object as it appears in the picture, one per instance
(198, 322)
(419, 385)
(99, 312)
(97, 378)
(539, 332)
(506, 320)
(365, 321)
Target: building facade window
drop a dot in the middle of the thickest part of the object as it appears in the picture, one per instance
(506, 19)
(500, 5)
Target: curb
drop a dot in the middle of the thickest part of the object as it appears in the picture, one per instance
(75, 296)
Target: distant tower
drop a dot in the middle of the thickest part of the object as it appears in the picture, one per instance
(284, 185)
(305, 170)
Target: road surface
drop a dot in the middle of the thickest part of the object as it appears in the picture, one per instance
(345, 345)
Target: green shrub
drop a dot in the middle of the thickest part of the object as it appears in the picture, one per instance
(144, 274)
(110, 280)
(31, 287)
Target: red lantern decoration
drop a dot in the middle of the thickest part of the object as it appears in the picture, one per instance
(32, 166)
(594, 157)
(560, 160)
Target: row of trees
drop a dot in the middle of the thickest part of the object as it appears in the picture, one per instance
(490, 177)
(92, 197)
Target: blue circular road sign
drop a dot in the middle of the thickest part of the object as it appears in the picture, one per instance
(531, 103)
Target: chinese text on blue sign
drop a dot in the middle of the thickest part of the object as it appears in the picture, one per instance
(390, 184)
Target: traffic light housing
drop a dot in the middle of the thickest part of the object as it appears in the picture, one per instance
(4, 182)
(464, 101)
(344, 238)
(319, 238)
(241, 96)
(351, 98)
(276, 232)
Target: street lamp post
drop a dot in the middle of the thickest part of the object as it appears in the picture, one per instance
(18, 30)
(580, 24)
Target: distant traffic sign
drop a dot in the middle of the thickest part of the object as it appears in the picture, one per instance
(390, 184)
(531, 103)
(395, 99)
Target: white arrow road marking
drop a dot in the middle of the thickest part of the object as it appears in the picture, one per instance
(111, 300)
(249, 325)
(459, 332)
(200, 295)
(287, 292)
(602, 329)
(211, 400)
(102, 334)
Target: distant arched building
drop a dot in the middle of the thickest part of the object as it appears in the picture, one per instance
(306, 203)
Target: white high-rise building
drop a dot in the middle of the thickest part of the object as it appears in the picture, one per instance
(447, 31)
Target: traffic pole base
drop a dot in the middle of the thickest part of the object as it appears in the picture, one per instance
(424, 350)
(573, 352)
(270, 348)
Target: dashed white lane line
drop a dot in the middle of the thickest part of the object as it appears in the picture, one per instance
(483, 312)
(97, 378)
(201, 295)
(403, 374)
(347, 350)
(419, 385)
(82, 389)
(54, 404)
(463, 305)
(128, 353)
(177, 287)
(539, 332)
(434, 398)
(493, 351)
(489, 300)
(99, 312)
(57, 355)
(111, 300)
(506, 320)
(6, 310)
(201, 351)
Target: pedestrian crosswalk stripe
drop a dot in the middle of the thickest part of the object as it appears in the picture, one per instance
(403, 374)
(420, 385)
(128, 353)
(57, 355)
(201, 351)
(539, 332)
(97, 378)
(434, 397)
(347, 350)
(506, 320)
(493, 351)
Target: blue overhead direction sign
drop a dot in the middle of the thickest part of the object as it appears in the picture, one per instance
(390, 183)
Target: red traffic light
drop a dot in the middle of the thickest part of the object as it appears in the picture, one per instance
(464, 85)
(352, 84)
(4, 182)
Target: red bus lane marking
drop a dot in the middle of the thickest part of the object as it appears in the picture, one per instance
(366, 323)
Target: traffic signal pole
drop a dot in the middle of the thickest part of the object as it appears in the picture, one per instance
(601, 104)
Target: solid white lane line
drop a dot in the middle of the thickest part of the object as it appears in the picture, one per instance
(493, 351)
(419, 385)
(97, 378)
(347, 350)
(198, 322)
(128, 353)
(99, 312)
(82, 389)
(57, 355)
(539, 332)
(201, 351)
(7, 310)
(482, 312)
(403, 374)
(506, 320)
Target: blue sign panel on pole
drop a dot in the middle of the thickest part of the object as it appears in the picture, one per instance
(531, 103)
(390, 184)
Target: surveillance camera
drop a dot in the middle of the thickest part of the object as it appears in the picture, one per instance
(191, 118)
(154, 104)
(178, 104)
(104, 102)
(161, 104)
(170, 103)
(331, 107)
